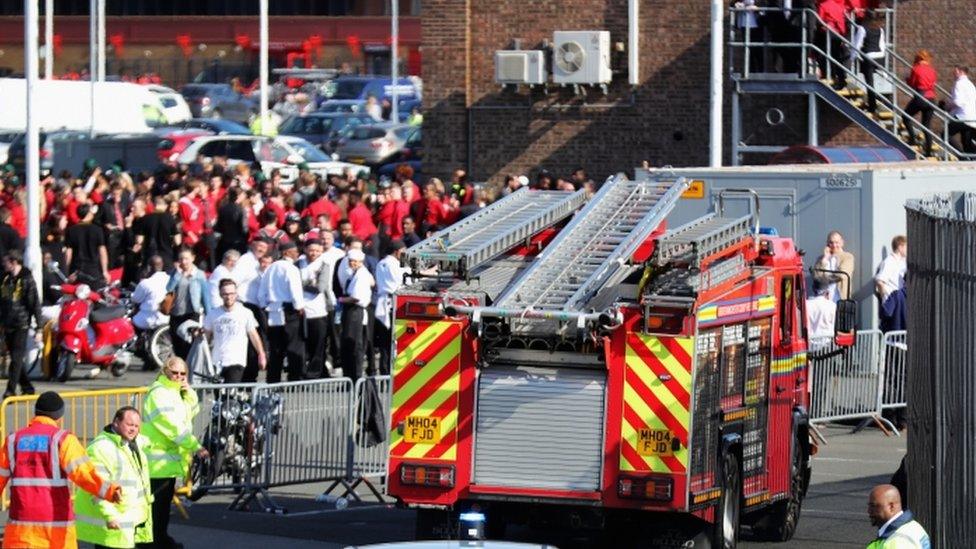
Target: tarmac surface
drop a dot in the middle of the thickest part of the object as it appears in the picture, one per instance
(834, 512)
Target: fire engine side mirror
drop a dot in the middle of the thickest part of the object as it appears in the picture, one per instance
(845, 323)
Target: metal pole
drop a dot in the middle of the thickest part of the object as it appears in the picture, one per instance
(101, 40)
(263, 60)
(32, 259)
(715, 120)
(736, 128)
(92, 61)
(394, 59)
(813, 124)
(633, 42)
(48, 39)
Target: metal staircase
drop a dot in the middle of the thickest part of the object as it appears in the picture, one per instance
(595, 244)
(492, 231)
(887, 125)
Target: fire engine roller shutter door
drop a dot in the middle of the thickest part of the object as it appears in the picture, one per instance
(540, 427)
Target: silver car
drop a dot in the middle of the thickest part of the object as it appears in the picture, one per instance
(375, 144)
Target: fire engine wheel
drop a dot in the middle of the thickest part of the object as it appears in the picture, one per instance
(728, 511)
(780, 520)
(66, 365)
(436, 524)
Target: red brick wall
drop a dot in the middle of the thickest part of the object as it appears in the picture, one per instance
(664, 121)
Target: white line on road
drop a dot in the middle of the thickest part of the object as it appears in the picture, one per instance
(849, 460)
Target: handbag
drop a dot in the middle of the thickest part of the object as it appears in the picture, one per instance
(166, 305)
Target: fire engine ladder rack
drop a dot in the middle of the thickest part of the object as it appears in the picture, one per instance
(595, 244)
(702, 238)
(491, 231)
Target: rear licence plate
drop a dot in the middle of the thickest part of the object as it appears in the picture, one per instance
(654, 442)
(422, 430)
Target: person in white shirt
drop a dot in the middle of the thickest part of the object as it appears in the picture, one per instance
(389, 279)
(373, 108)
(149, 293)
(869, 40)
(224, 270)
(358, 293)
(821, 311)
(963, 108)
(320, 300)
(282, 296)
(247, 274)
(889, 285)
(230, 328)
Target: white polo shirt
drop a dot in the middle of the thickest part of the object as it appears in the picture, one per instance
(229, 330)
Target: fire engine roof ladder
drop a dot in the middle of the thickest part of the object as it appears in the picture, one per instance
(595, 244)
(491, 231)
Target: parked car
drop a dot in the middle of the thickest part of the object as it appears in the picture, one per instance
(322, 129)
(215, 125)
(17, 152)
(174, 107)
(175, 142)
(343, 106)
(282, 153)
(381, 87)
(218, 101)
(6, 138)
(375, 144)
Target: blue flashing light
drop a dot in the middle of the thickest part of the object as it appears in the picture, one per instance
(768, 231)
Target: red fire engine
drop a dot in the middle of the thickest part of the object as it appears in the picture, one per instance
(574, 360)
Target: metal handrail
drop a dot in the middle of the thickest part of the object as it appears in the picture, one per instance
(942, 140)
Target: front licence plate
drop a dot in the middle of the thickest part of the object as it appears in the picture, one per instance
(654, 442)
(422, 430)
(357, 160)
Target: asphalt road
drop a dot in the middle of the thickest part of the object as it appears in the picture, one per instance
(833, 514)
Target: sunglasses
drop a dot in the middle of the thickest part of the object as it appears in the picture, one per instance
(172, 373)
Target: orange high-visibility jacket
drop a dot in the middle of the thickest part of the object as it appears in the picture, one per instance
(37, 462)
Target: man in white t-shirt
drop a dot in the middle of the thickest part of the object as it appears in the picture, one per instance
(149, 294)
(230, 327)
(821, 311)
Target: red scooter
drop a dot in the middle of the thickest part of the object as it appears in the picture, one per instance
(91, 331)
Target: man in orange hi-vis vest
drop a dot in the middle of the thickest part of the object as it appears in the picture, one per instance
(37, 462)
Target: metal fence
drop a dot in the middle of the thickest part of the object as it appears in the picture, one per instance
(894, 356)
(941, 382)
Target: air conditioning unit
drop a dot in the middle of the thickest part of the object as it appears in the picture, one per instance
(520, 67)
(581, 57)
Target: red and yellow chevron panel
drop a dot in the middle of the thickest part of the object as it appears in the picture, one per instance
(657, 398)
(426, 381)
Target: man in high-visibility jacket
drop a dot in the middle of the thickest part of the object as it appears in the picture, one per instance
(117, 453)
(897, 529)
(38, 461)
(168, 411)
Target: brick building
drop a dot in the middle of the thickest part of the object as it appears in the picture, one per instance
(471, 121)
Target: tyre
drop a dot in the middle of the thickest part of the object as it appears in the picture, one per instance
(435, 524)
(203, 471)
(119, 369)
(160, 347)
(66, 364)
(728, 511)
(779, 520)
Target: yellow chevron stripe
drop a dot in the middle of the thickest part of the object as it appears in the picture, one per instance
(680, 372)
(440, 361)
(400, 327)
(643, 411)
(630, 437)
(661, 392)
(406, 356)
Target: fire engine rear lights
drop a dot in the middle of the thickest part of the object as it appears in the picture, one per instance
(427, 475)
(653, 488)
(423, 309)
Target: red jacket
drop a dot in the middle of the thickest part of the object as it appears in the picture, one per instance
(192, 215)
(391, 217)
(323, 206)
(833, 14)
(18, 215)
(923, 79)
(362, 222)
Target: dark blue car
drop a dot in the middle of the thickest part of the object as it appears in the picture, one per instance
(323, 129)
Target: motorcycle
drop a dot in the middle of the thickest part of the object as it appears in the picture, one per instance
(235, 439)
(94, 329)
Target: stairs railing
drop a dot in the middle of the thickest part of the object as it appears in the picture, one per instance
(833, 66)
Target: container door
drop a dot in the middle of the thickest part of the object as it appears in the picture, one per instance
(777, 208)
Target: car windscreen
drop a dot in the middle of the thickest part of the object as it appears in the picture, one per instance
(366, 132)
(349, 89)
(194, 91)
(309, 152)
(168, 102)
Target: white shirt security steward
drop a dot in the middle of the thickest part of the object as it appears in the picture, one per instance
(149, 294)
(891, 274)
(360, 287)
(317, 284)
(964, 100)
(230, 329)
(281, 284)
(820, 318)
(218, 274)
(248, 275)
(389, 279)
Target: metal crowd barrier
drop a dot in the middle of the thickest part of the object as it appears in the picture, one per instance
(894, 356)
(370, 435)
(846, 383)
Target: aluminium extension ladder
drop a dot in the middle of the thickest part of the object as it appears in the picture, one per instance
(595, 244)
(491, 231)
(693, 242)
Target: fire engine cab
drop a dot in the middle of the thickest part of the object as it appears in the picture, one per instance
(575, 360)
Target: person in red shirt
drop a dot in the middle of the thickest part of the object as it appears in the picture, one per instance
(18, 214)
(192, 214)
(360, 217)
(391, 214)
(323, 206)
(922, 79)
(276, 203)
(834, 16)
(434, 213)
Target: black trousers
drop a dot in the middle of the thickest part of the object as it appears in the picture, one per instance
(316, 346)
(181, 347)
(16, 341)
(838, 52)
(163, 490)
(915, 106)
(332, 349)
(286, 341)
(965, 132)
(353, 345)
(252, 368)
(384, 340)
(868, 68)
(232, 374)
